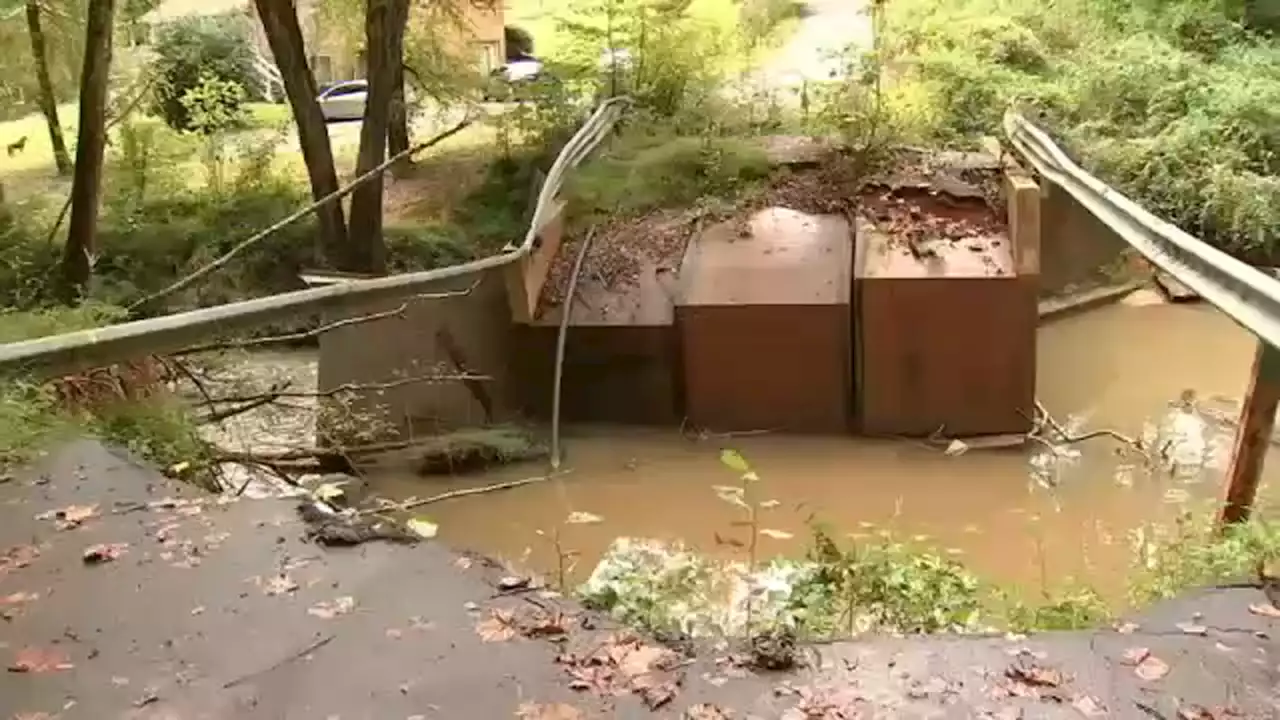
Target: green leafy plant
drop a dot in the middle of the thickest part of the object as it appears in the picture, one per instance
(199, 50)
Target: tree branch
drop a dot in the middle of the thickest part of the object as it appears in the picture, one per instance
(261, 235)
(303, 335)
(466, 492)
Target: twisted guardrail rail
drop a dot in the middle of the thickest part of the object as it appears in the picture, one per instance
(1248, 295)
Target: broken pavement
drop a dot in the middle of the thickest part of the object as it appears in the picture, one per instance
(143, 599)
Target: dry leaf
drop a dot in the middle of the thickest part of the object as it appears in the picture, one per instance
(331, 609)
(71, 516)
(17, 557)
(104, 552)
(1265, 610)
(36, 660)
(279, 585)
(462, 563)
(19, 598)
(555, 711)
(642, 660)
(1151, 668)
(1135, 655)
(1088, 706)
(499, 627)
(776, 534)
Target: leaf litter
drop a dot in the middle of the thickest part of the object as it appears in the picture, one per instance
(553, 711)
(104, 553)
(623, 664)
(502, 625)
(71, 516)
(329, 609)
(39, 660)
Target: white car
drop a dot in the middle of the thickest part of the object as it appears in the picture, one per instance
(344, 100)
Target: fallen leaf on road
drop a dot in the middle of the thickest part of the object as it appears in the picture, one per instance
(1008, 712)
(331, 609)
(499, 627)
(1088, 706)
(104, 552)
(556, 711)
(1027, 670)
(19, 598)
(279, 585)
(706, 711)
(1126, 628)
(657, 695)
(71, 516)
(37, 660)
(1195, 712)
(1135, 655)
(1151, 668)
(462, 563)
(35, 716)
(1265, 610)
(17, 557)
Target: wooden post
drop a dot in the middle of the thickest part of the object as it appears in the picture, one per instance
(1257, 422)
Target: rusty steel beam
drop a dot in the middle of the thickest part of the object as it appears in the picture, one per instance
(1253, 440)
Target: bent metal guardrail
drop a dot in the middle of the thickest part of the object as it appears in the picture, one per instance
(85, 349)
(1248, 295)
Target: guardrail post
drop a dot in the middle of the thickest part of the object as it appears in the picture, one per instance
(1257, 422)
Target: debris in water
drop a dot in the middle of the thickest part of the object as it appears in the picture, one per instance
(776, 534)
(423, 527)
(513, 583)
(583, 518)
(37, 660)
(104, 553)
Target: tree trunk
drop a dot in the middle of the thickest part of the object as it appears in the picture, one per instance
(284, 35)
(48, 103)
(79, 253)
(384, 36)
(398, 130)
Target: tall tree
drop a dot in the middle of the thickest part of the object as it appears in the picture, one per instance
(48, 101)
(284, 35)
(398, 127)
(79, 252)
(385, 22)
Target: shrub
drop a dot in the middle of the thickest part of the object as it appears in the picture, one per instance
(1172, 101)
(199, 50)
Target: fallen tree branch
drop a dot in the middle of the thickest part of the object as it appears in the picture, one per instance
(220, 262)
(293, 657)
(350, 387)
(249, 343)
(466, 492)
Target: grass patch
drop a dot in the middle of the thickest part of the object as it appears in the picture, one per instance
(647, 170)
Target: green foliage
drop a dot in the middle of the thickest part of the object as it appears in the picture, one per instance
(648, 168)
(1172, 101)
(202, 52)
(160, 430)
(1193, 553)
(885, 585)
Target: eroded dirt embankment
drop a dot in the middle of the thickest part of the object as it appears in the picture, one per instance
(127, 596)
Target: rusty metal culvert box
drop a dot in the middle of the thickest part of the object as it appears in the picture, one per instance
(763, 317)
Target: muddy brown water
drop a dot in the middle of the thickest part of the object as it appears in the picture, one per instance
(1119, 367)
